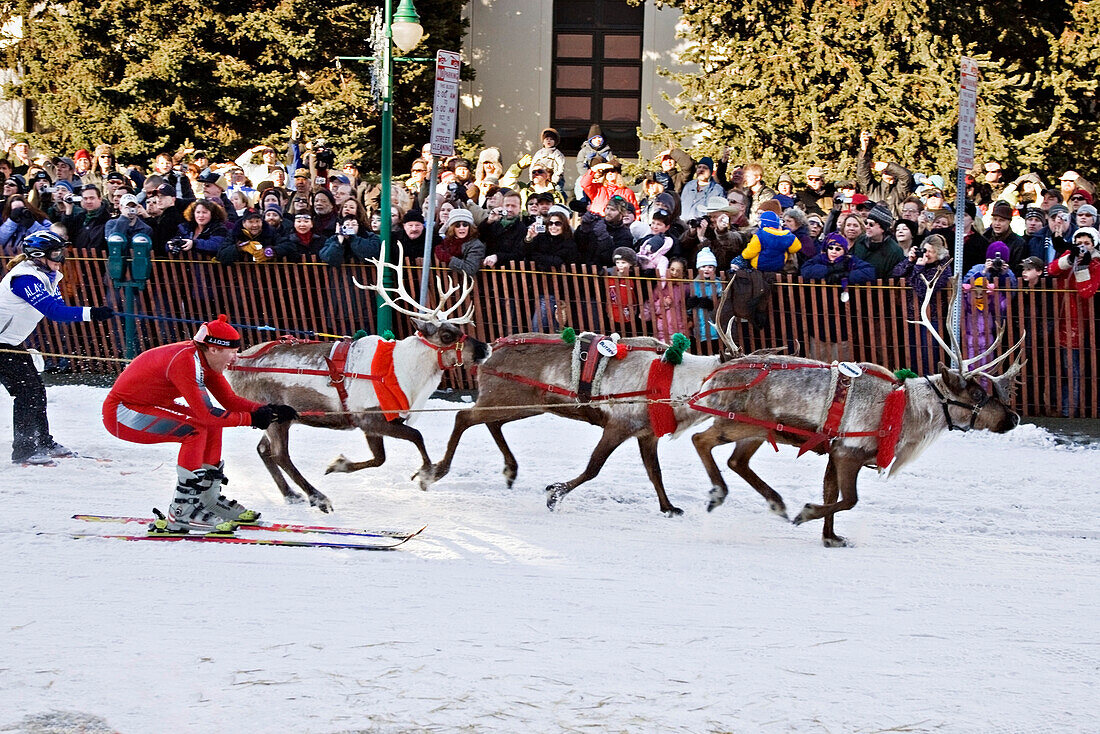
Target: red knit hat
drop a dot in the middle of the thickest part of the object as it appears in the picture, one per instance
(82, 153)
(218, 333)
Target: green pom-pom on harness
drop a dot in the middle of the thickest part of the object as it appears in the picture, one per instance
(568, 335)
(675, 353)
(359, 335)
(388, 335)
(904, 374)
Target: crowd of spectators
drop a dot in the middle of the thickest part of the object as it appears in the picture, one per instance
(887, 222)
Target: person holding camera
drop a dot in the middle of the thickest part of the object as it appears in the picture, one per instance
(1000, 229)
(202, 231)
(29, 292)
(1078, 271)
(85, 223)
(352, 243)
(20, 218)
(896, 181)
(129, 221)
(250, 240)
(460, 249)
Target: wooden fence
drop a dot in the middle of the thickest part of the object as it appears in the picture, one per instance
(807, 318)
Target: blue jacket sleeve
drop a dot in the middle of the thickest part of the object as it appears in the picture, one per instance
(31, 290)
(861, 272)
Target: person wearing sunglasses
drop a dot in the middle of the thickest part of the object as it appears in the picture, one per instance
(28, 293)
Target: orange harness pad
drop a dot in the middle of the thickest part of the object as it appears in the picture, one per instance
(391, 398)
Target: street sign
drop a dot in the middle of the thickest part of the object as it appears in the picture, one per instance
(445, 108)
(968, 102)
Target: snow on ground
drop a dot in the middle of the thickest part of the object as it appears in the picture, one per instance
(968, 603)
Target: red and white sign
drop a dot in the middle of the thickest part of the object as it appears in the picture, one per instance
(968, 104)
(448, 64)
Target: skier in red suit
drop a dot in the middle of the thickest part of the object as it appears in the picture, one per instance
(143, 407)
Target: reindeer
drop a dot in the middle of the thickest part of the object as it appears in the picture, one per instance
(859, 415)
(369, 383)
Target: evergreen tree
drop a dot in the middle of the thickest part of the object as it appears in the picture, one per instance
(150, 76)
(794, 84)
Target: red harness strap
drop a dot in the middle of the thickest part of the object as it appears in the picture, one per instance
(336, 360)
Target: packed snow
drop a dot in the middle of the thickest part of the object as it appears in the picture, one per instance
(968, 602)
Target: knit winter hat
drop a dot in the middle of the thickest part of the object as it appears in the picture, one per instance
(413, 215)
(705, 257)
(273, 207)
(1084, 194)
(459, 215)
(1034, 212)
(706, 161)
(82, 153)
(218, 333)
(835, 238)
(1087, 209)
(882, 216)
(625, 253)
(770, 219)
(998, 249)
(1090, 232)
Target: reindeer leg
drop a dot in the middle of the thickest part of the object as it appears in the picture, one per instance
(613, 437)
(830, 493)
(267, 457)
(473, 417)
(739, 462)
(511, 466)
(399, 429)
(705, 442)
(279, 433)
(846, 470)
(648, 446)
(378, 457)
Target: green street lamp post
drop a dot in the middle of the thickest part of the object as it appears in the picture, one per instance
(404, 30)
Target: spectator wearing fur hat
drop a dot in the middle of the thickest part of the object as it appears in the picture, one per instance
(877, 245)
(352, 243)
(696, 192)
(489, 164)
(896, 181)
(1000, 229)
(460, 249)
(770, 248)
(103, 163)
(550, 158)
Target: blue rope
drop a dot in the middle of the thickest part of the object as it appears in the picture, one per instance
(196, 321)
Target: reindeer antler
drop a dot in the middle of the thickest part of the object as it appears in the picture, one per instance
(955, 350)
(726, 335)
(413, 308)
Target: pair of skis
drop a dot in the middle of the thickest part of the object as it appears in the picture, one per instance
(394, 538)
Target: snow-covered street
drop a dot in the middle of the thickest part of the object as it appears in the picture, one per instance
(967, 604)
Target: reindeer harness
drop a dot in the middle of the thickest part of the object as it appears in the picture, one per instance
(588, 365)
(946, 401)
(391, 398)
(821, 440)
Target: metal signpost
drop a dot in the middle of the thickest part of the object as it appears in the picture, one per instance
(448, 64)
(968, 102)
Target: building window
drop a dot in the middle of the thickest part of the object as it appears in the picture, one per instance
(597, 72)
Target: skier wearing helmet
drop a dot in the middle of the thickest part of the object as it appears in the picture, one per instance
(28, 293)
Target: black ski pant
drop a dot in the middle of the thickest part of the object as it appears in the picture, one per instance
(21, 380)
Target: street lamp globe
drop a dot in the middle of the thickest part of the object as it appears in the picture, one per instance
(406, 28)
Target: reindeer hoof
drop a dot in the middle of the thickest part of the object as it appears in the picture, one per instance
(294, 499)
(510, 475)
(554, 493)
(717, 497)
(423, 477)
(673, 512)
(339, 464)
(322, 503)
(836, 542)
(806, 514)
(779, 509)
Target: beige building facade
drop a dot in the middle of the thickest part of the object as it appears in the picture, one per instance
(568, 64)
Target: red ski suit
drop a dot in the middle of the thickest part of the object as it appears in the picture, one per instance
(142, 406)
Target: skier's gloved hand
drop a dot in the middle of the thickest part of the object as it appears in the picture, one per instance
(263, 416)
(283, 413)
(102, 313)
